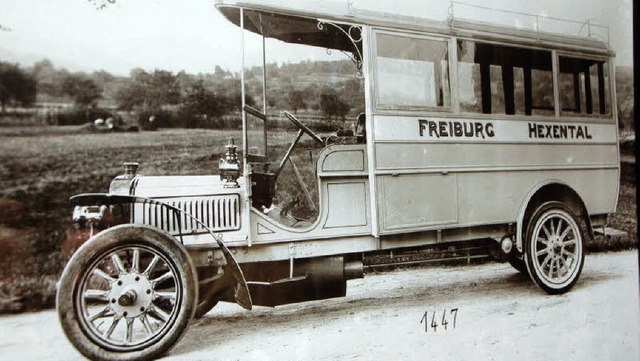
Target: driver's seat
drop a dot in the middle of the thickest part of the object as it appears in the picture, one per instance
(263, 189)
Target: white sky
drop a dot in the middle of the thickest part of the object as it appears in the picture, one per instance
(192, 36)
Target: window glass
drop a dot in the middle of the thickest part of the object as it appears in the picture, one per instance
(584, 86)
(412, 72)
(256, 129)
(496, 79)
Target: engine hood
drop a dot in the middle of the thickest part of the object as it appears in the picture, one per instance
(181, 186)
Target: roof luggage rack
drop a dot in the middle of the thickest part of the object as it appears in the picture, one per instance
(539, 23)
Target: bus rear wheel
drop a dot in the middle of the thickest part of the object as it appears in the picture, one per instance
(554, 251)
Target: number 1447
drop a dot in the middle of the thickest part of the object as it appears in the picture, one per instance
(447, 320)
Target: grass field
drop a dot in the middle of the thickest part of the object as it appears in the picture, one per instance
(41, 167)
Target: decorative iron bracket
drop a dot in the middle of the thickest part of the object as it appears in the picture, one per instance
(355, 40)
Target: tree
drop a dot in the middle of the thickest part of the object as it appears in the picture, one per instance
(200, 104)
(84, 91)
(49, 79)
(221, 74)
(186, 81)
(102, 77)
(43, 68)
(16, 86)
(149, 91)
(331, 105)
(352, 91)
(296, 100)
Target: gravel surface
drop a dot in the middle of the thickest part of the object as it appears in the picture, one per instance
(500, 315)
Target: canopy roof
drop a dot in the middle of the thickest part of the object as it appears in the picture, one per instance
(296, 21)
(295, 29)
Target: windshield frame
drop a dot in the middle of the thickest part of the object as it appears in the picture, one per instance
(248, 110)
(348, 39)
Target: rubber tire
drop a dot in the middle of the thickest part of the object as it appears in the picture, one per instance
(100, 245)
(537, 215)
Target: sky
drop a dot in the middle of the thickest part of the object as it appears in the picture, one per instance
(192, 36)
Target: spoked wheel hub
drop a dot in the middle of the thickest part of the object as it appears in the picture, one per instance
(131, 295)
(556, 247)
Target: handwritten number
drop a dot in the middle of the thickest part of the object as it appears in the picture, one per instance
(434, 325)
(455, 315)
(444, 320)
(426, 323)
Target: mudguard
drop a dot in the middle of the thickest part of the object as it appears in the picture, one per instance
(241, 290)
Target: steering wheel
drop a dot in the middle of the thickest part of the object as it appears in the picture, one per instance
(303, 127)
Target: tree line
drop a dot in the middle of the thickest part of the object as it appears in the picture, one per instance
(324, 89)
(210, 100)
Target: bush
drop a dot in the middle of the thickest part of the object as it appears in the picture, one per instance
(12, 117)
(149, 120)
(81, 116)
(190, 120)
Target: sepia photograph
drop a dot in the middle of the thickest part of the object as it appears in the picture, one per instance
(318, 180)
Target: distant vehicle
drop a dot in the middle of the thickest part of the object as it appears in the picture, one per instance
(470, 131)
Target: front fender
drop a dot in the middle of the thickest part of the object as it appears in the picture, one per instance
(241, 291)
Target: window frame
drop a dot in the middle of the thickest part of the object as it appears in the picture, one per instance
(553, 57)
(594, 116)
(454, 109)
(375, 94)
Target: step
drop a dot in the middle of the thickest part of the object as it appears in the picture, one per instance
(610, 232)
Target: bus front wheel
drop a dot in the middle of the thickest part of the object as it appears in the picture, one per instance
(554, 251)
(128, 293)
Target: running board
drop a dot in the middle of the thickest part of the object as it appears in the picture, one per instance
(610, 232)
(425, 255)
(284, 280)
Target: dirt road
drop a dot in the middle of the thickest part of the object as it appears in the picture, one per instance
(500, 315)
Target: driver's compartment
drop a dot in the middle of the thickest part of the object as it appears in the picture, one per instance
(284, 181)
(264, 178)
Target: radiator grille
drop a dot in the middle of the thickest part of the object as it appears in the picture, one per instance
(219, 213)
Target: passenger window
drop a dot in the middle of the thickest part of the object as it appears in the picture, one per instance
(496, 79)
(584, 87)
(412, 72)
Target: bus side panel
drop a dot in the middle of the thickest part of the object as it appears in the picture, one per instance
(417, 200)
(481, 197)
(426, 180)
(496, 197)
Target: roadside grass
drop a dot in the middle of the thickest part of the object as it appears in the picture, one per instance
(624, 219)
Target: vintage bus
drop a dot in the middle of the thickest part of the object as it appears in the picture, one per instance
(468, 131)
